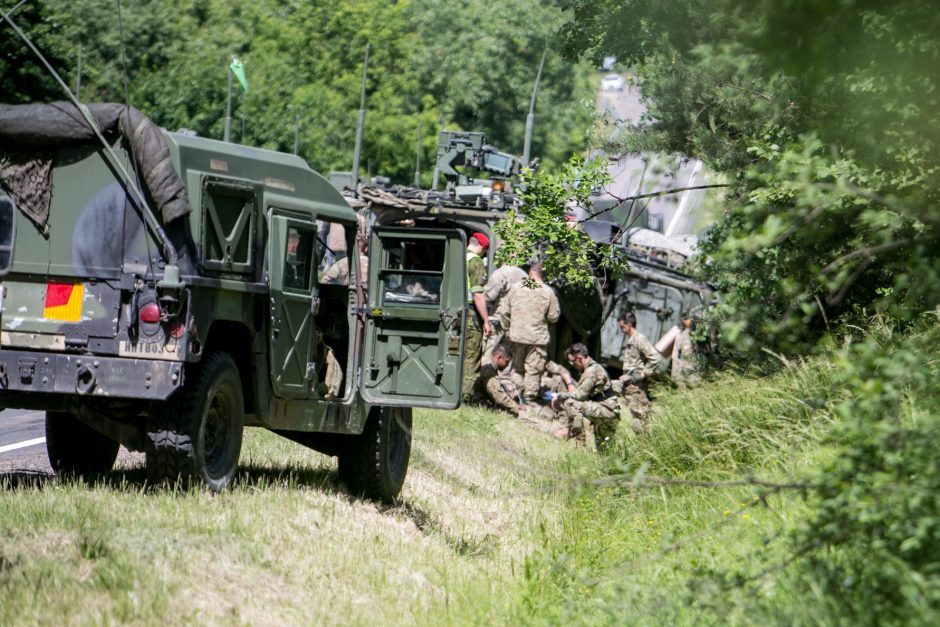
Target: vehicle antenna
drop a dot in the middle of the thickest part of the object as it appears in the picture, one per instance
(530, 119)
(78, 74)
(172, 257)
(418, 159)
(362, 122)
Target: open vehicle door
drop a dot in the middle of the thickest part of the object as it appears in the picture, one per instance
(293, 283)
(414, 336)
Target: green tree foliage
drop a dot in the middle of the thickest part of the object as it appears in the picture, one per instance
(826, 119)
(548, 232)
(468, 65)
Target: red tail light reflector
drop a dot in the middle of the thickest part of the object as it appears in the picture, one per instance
(149, 313)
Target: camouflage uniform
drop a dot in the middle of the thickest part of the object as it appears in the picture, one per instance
(527, 313)
(592, 406)
(338, 272)
(497, 286)
(640, 360)
(476, 277)
(683, 360)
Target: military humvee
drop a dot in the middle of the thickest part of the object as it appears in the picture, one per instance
(260, 314)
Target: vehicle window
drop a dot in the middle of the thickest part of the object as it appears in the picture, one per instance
(7, 232)
(332, 254)
(412, 271)
(298, 258)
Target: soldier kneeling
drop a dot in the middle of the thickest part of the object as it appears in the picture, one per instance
(591, 407)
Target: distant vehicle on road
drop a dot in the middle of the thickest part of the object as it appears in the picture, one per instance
(612, 82)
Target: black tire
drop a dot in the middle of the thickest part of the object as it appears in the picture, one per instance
(197, 438)
(376, 462)
(75, 448)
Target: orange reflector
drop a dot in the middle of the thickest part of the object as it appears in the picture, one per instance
(64, 301)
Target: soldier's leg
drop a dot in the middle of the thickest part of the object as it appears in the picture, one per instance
(471, 357)
(540, 417)
(535, 360)
(577, 421)
(639, 404)
(519, 352)
(605, 421)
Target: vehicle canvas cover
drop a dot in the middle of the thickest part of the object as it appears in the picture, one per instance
(30, 133)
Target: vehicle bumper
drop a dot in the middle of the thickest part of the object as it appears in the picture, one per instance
(83, 375)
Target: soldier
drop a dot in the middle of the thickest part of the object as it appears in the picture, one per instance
(496, 384)
(590, 405)
(501, 387)
(497, 287)
(338, 272)
(683, 357)
(527, 312)
(640, 361)
(477, 319)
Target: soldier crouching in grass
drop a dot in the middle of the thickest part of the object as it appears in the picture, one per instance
(591, 407)
(640, 361)
(499, 386)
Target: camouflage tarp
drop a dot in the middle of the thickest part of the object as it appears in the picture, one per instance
(29, 134)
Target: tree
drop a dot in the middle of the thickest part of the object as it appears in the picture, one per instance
(824, 117)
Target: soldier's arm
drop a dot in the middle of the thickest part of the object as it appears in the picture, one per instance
(651, 358)
(585, 387)
(496, 389)
(502, 312)
(494, 285)
(554, 309)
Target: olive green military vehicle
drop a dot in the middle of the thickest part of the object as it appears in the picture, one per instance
(241, 301)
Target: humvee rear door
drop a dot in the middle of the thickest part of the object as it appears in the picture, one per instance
(293, 281)
(414, 334)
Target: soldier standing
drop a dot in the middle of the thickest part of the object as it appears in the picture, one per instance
(497, 287)
(590, 404)
(640, 361)
(527, 312)
(477, 317)
(683, 357)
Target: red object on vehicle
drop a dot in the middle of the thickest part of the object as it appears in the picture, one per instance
(149, 313)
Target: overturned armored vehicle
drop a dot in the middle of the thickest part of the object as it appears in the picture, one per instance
(478, 191)
(232, 304)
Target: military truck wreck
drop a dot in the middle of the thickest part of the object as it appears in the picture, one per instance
(478, 191)
(240, 302)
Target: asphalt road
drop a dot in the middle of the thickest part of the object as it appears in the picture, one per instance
(21, 426)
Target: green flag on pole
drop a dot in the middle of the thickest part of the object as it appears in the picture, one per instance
(239, 71)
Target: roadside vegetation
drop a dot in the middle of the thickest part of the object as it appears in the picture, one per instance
(735, 509)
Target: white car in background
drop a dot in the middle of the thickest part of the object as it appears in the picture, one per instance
(612, 82)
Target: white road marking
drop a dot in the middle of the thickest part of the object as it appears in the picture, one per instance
(23, 444)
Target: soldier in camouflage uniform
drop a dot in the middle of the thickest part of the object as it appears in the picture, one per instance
(591, 407)
(640, 361)
(497, 287)
(683, 357)
(477, 318)
(527, 312)
(501, 387)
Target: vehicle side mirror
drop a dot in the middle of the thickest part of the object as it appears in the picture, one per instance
(7, 232)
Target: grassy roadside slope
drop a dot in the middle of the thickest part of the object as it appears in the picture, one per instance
(287, 545)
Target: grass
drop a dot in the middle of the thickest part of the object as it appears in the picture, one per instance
(499, 524)
(287, 544)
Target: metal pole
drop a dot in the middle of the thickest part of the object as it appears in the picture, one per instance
(362, 121)
(297, 134)
(530, 119)
(227, 135)
(418, 159)
(78, 74)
